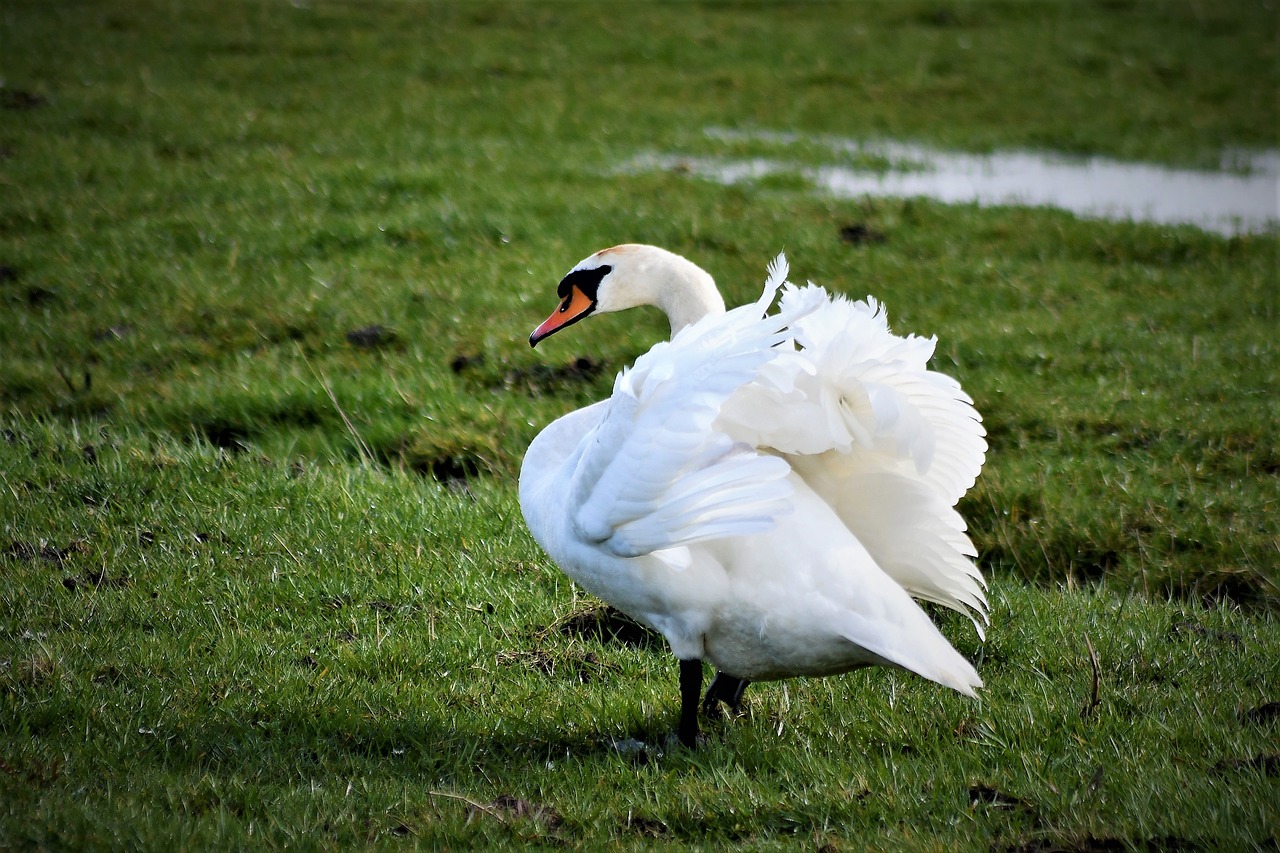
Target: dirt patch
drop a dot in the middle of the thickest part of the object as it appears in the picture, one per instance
(39, 297)
(48, 553)
(97, 578)
(860, 234)
(20, 99)
(516, 807)
(585, 668)
(371, 337)
(235, 430)
(531, 379)
(605, 624)
(385, 609)
(109, 676)
(645, 827)
(226, 435)
(450, 458)
(36, 773)
(1231, 585)
(1268, 763)
(466, 361)
(508, 808)
(1183, 630)
(1268, 712)
(986, 795)
(450, 470)
(548, 378)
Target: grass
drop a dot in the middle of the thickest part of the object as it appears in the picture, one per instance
(268, 271)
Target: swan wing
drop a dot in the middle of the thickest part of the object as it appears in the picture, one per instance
(655, 473)
(857, 387)
(888, 443)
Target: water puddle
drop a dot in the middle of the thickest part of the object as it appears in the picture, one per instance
(1241, 199)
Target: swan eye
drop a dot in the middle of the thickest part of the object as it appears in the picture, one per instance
(578, 292)
(588, 281)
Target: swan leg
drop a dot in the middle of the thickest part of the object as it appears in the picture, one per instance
(725, 688)
(690, 690)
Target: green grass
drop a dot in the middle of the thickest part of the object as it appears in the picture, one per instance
(264, 582)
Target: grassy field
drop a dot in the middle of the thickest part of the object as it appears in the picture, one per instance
(267, 272)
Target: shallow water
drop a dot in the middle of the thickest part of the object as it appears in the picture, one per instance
(1240, 200)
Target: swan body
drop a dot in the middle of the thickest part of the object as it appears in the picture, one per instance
(766, 490)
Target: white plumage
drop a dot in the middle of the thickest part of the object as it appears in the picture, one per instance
(767, 490)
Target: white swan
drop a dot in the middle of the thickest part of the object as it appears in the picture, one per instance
(767, 491)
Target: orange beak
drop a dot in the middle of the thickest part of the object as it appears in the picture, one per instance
(574, 307)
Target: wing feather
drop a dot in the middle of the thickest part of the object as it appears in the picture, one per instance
(657, 473)
(888, 443)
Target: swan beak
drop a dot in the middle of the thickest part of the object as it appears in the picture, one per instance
(574, 307)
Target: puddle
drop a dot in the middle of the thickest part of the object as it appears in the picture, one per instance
(1241, 200)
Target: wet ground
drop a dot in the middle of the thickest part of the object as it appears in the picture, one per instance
(1240, 198)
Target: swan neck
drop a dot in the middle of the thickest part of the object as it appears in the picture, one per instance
(689, 295)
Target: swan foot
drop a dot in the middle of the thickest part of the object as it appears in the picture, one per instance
(727, 689)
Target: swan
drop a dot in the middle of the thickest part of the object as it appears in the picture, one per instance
(768, 491)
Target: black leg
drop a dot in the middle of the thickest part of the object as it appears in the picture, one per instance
(690, 689)
(716, 692)
(725, 688)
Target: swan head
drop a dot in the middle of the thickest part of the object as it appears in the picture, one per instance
(628, 276)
